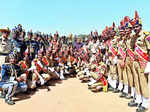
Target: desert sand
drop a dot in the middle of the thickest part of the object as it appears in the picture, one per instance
(67, 96)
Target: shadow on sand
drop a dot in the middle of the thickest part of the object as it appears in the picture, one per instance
(30, 93)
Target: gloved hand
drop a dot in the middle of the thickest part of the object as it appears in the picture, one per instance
(147, 68)
(115, 60)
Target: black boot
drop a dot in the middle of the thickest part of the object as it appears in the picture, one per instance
(129, 97)
(132, 103)
(123, 95)
(110, 89)
(116, 91)
(141, 109)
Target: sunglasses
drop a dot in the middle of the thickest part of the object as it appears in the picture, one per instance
(6, 32)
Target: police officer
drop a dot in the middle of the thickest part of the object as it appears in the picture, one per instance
(129, 56)
(113, 64)
(31, 45)
(40, 69)
(39, 41)
(5, 45)
(17, 44)
(142, 46)
(121, 63)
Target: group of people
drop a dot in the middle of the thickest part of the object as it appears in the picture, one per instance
(32, 61)
(117, 60)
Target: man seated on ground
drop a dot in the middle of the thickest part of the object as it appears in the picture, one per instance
(12, 80)
(84, 73)
(30, 77)
(61, 65)
(40, 70)
(98, 79)
(70, 63)
(49, 63)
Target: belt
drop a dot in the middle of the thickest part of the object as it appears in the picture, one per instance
(3, 54)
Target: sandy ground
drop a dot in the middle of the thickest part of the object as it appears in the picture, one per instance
(68, 96)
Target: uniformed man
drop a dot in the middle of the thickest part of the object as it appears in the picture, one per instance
(49, 63)
(84, 73)
(112, 77)
(31, 45)
(142, 47)
(98, 74)
(22, 38)
(129, 56)
(5, 45)
(30, 77)
(40, 69)
(17, 44)
(61, 63)
(93, 77)
(19, 74)
(121, 63)
(70, 63)
(38, 39)
(70, 39)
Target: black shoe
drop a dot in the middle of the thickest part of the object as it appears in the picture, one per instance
(129, 97)
(89, 87)
(123, 95)
(83, 81)
(132, 103)
(116, 91)
(10, 102)
(141, 109)
(139, 105)
(110, 89)
(27, 92)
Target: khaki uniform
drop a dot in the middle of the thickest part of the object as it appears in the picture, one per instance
(5, 48)
(101, 82)
(113, 67)
(141, 80)
(38, 65)
(84, 74)
(122, 72)
(129, 61)
(48, 62)
(30, 78)
(98, 84)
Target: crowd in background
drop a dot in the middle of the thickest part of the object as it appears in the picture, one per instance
(117, 60)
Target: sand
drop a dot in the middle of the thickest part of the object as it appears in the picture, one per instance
(67, 96)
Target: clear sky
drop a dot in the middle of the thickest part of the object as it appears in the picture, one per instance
(66, 16)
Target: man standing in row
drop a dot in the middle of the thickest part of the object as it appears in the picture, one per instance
(5, 45)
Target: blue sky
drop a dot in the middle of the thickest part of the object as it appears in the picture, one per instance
(70, 16)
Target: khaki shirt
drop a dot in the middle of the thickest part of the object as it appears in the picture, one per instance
(142, 42)
(5, 46)
(94, 75)
(122, 44)
(102, 67)
(128, 43)
(114, 46)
